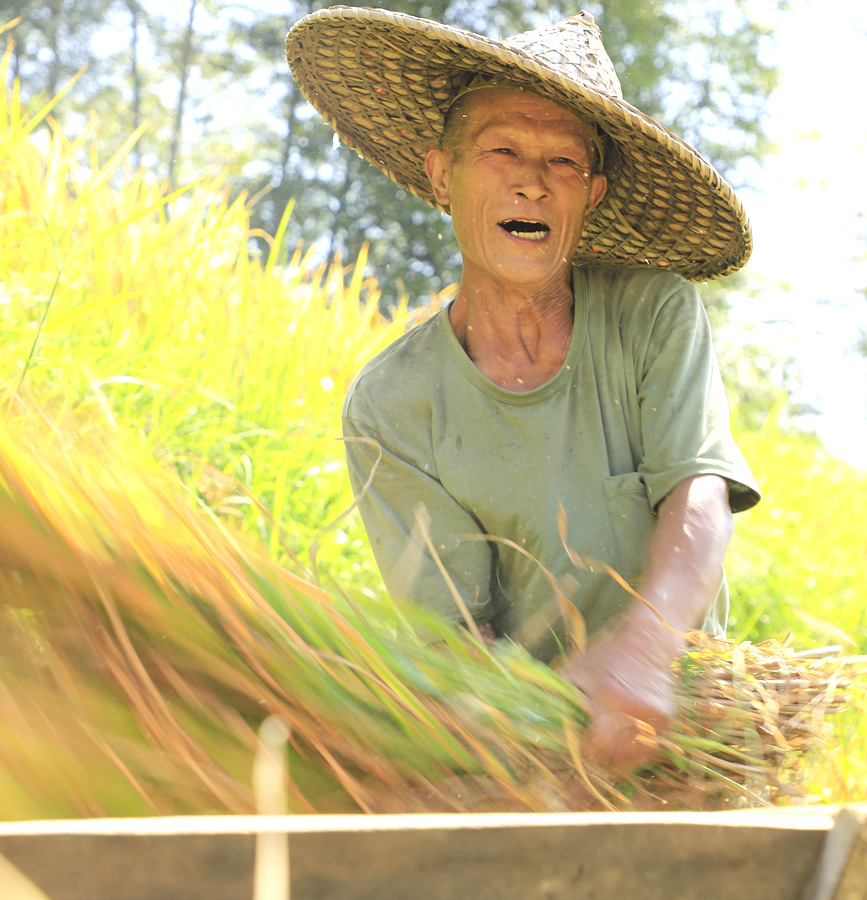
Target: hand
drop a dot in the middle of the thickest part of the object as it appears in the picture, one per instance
(629, 684)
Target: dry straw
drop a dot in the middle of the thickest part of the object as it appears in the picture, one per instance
(142, 644)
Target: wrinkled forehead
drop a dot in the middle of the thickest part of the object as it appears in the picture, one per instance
(483, 103)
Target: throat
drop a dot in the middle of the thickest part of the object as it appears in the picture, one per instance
(519, 365)
(516, 340)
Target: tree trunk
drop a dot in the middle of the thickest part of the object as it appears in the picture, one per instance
(135, 75)
(340, 224)
(175, 148)
(291, 102)
(52, 39)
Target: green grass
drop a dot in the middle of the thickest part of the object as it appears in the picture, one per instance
(798, 560)
(149, 311)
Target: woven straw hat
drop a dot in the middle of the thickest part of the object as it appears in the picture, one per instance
(384, 81)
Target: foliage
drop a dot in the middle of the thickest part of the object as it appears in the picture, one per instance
(798, 560)
(152, 308)
(703, 69)
(52, 41)
(760, 382)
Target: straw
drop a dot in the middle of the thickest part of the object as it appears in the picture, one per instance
(142, 644)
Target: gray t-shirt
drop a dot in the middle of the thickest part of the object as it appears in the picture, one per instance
(637, 407)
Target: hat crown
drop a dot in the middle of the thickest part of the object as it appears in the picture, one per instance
(573, 47)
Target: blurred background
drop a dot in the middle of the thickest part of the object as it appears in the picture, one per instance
(763, 88)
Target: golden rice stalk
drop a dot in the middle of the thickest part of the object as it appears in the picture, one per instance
(142, 644)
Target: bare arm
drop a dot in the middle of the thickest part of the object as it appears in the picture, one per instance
(627, 676)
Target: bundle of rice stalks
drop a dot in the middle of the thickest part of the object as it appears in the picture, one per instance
(142, 644)
(748, 716)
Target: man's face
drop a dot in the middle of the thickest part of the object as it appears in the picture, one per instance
(518, 179)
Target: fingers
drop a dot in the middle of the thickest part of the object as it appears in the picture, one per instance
(628, 715)
(632, 702)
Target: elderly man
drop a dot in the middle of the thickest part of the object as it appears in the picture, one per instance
(559, 430)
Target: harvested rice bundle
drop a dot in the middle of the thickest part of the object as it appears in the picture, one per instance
(748, 714)
(142, 644)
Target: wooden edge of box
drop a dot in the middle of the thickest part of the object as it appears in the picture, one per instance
(496, 855)
(806, 818)
(841, 873)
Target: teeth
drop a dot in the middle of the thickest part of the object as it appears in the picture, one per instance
(529, 230)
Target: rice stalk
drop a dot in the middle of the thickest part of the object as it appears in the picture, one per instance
(143, 643)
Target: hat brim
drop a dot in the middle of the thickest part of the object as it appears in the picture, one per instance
(384, 81)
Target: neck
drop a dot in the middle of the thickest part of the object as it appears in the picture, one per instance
(518, 339)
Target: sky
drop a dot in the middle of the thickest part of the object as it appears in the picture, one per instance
(805, 220)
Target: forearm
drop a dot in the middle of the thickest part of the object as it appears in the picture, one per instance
(627, 675)
(685, 558)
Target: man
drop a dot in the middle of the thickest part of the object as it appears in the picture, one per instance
(562, 422)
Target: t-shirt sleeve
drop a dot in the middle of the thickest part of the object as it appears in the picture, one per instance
(683, 410)
(400, 503)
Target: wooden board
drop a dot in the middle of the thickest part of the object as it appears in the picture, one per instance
(687, 856)
(841, 873)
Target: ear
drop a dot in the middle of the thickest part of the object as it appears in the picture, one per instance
(438, 168)
(598, 187)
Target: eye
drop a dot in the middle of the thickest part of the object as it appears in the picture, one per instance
(579, 164)
(506, 150)
(568, 164)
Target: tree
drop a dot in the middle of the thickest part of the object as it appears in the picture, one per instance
(183, 80)
(52, 41)
(212, 79)
(135, 13)
(99, 43)
(699, 70)
(45, 43)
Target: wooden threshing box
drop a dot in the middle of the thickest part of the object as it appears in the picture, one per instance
(777, 855)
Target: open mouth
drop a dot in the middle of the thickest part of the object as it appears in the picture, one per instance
(525, 228)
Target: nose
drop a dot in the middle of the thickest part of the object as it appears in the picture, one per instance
(530, 181)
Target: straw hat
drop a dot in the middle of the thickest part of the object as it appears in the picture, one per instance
(384, 81)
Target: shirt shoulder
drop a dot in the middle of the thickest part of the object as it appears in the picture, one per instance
(636, 313)
(635, 293)
(400, 376)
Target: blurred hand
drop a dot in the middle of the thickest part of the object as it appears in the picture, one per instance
(630, 686)
(627, 675)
